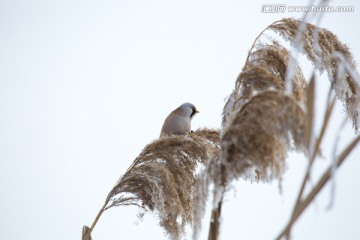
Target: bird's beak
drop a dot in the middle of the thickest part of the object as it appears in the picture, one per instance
(197, 111)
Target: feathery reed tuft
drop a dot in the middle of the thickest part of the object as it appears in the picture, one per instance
(268, 113)
(260, 122)
(264, 70)
(254, 146)
(327, 52)
(162, 178)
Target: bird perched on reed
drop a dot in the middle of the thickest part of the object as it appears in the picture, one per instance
(178, 122)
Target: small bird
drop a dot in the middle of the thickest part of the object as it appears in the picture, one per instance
(179, 121)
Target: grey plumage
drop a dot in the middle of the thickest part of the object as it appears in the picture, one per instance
(178, 122)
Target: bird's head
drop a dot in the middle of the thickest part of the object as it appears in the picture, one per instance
(187, 109)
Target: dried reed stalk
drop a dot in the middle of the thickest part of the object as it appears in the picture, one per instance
(314, 147)
(86, 233)
(215, 222)
(162, 178)
(318, 187)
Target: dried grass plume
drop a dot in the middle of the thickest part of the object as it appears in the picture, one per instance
(268, 113)
(162, 178)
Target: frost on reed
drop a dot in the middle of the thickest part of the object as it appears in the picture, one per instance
(260, 124)
(326, 52)
(262, 121)
(255, 145)
(162, 177)
(265, 69)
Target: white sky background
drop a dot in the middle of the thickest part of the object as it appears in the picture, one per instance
(85, 85)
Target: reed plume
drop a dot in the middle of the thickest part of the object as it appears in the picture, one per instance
(162, 177)
(263, 120)
(265, 69)
(327, 53)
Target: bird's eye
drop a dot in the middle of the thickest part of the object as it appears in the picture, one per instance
(193, 112)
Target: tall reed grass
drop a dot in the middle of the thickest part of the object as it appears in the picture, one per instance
(269, 113)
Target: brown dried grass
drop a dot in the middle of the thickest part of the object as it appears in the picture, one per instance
(162, 178)
(262, 122)
(323, 48)
(254, 146)
(264, 70)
